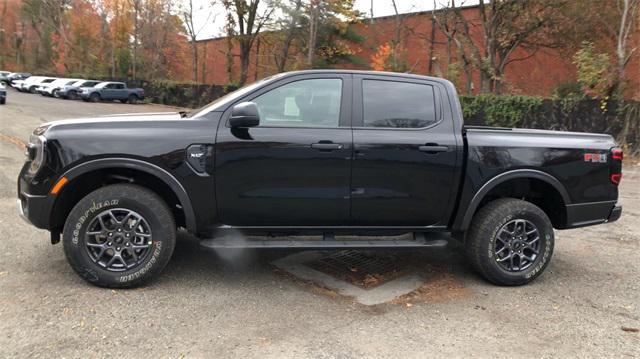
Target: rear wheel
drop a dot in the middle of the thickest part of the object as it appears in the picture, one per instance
(56, 93)
(510, 241)
(119, 236)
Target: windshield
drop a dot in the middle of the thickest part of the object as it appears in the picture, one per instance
(231, 96)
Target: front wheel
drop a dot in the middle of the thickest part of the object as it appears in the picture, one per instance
(94, 97)
(133, 99)
(119, 236)
(510, 241)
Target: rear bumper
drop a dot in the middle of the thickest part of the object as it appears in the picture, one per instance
(588, 214)
(615, 214)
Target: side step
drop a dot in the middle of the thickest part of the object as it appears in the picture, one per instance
(328, 241)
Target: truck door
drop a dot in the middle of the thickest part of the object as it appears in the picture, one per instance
(107, 92)
(294, 168)
(404, 152)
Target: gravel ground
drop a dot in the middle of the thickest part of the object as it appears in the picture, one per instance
(237, 305)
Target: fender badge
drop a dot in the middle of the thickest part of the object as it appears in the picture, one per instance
(595, 157)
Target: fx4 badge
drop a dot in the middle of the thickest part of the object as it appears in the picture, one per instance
(595, 157)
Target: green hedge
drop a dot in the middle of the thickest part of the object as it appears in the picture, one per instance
(621, 119)
(502, 111)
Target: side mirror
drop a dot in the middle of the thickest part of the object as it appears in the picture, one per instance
(244, 114)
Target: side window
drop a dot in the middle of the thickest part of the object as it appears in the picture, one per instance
(119, 86)
(109, 86)
(305, 103)
(397, 104)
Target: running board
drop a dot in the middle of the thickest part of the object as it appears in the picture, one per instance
(328, 241)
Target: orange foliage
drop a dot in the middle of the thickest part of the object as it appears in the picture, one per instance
(380, 59)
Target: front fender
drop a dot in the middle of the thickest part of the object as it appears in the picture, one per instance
(131, 163)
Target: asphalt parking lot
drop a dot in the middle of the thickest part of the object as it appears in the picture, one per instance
(239, 304)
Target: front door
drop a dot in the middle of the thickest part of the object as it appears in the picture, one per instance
(294, 168)
(404, 152)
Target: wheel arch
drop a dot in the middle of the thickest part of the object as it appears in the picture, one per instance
(558, 195)
(88, 176)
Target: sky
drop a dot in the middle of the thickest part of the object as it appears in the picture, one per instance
(209, 21)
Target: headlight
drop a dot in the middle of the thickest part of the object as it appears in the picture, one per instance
(35, 149)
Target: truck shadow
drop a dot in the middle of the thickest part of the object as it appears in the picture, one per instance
(444, 272)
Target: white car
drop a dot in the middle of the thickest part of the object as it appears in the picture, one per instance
(30, 85)
(51, 88)
(17, 84)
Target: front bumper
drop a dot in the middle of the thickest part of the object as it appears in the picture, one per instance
(35, 209)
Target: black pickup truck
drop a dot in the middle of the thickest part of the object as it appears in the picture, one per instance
(314, 152)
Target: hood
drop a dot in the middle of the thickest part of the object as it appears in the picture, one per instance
(116, 119)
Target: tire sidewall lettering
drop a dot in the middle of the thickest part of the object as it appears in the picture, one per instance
(87, 214)
(157, 251)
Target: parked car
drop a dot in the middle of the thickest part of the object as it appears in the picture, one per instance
(71, 91)
(16, 76)
(3, 94)
(50, 89)
(329, 152)
(4, 77)
(32, 83)
(110, 91)
(23, 85)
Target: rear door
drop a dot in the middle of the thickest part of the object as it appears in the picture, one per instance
(107, 92)
(294, 168)
(404, 152)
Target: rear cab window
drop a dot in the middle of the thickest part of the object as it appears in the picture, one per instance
(398, 103)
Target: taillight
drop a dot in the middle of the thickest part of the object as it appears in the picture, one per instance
(616, 178)
(616, 166)
(617, 154)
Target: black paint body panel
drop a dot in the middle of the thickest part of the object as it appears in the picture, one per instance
(271, 178)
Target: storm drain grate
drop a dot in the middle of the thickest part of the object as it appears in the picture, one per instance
(362, 269)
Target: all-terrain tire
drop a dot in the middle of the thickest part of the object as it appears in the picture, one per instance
(119, 198)
(483, 233)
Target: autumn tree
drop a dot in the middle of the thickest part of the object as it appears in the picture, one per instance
(249, 20)
(506, 25)
(330, 34)
(288, 30)
(187, 12)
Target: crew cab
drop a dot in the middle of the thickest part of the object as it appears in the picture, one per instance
(111, 91)
(314, 152)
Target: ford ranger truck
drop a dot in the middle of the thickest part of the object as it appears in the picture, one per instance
(314, 152)
(111, 91)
